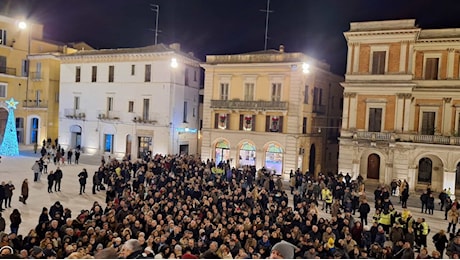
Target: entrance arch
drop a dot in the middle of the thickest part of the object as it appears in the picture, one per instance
(425, 170)
(430, 171)
(75, 136)
(311, 160)
(274, 158)
(247, 154)
(373, 166)
(222, 151)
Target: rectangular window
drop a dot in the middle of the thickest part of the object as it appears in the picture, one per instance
(184, 119)
(378, 62)
(249, 91)
(305, 95)
(223, 91)
(76, 103)
(431, 68)
(375, 120)
(276, 92)
(38, 71)
(111, 72)
(109, 103)
(24, 68)
(148, 72)
(316, 96)
(2, 64)
(2, 91)
(2, 37)
(78, 74)
(145, 109)
(274, 124)
(194, 112)
(94, 74)
(304, 125)
(131, 106)
(428, 121)
(186, 77)
(108, 143)
(133, 70)
(194, 75)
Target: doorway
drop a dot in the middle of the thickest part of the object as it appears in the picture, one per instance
(373, 166)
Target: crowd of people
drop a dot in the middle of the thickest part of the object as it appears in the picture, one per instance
(184, 207)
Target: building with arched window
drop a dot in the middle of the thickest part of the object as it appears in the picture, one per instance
(401, 114)
(271, 109)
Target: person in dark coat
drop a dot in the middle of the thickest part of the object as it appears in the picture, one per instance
(56, 208)
(96, 182)
(9, 187)
(57, 179)
(77, 155)
(440, 241)
(69, 156)
(24, 191)
(364, 210)
(424, 200)
(2, 223)
(430, 204)
(82, 176)
(44, 217)
(2, 195)
(16, 220)
(50, 182)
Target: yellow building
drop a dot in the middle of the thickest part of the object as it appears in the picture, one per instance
(29, 72)
(271, 109)
(401, 114)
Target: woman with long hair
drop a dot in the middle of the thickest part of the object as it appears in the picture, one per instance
(16, 220)
(440, 241)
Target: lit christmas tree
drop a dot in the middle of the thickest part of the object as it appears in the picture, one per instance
(10, 138)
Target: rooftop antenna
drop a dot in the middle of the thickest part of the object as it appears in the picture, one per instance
(156, 9)
(267, 13)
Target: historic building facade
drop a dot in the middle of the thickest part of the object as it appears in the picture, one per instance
(29, 72)
(271, 109)
(401, 112)
(130, 101)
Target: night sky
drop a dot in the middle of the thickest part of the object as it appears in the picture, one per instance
(206, 27)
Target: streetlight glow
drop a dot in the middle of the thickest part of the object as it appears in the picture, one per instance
(22, 25)
(305, 68)
(174, 63)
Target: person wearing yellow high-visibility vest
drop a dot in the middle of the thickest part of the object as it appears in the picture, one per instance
(425, 232)
(385, 220)
(328, 198)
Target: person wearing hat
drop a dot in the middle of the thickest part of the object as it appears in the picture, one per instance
(283, 250)
(36, 252)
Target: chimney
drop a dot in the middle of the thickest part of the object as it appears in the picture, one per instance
(281, 48)
(175, 46)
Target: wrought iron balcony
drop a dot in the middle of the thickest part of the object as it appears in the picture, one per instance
(140, 120)
(108, 115)
(253, 105)
(36, 76)
(75, 113)
(409, 137)
(8, 71)
(36, 103)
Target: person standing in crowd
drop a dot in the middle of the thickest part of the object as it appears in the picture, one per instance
(442, 198)
(364, 210)
(9, 188)
(57, 179)
(452, 218)
(77, 155)
(25, 191)
(440, 241)
(96, 182)
(50, 182)
(2, 195)
(16, 220)
(82, 177)
(424, 200)
(430, 204)
(69, 156)
(36, 170)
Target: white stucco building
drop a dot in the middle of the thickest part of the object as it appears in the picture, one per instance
(130, 101)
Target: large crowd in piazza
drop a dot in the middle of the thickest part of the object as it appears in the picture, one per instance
(171, 206)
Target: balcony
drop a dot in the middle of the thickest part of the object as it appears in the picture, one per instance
(249, 105)
(140, 120)
(36, 76)
(319, 109)
(108, 115)
(412, 138)
(8, 71)
(35, 103)
(75, 114)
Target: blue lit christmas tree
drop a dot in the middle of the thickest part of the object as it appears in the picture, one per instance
(10, 145)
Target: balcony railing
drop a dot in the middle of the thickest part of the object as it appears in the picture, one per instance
(140, 120)
(35, 103)
(74, 113)
(257, 105)
(108, 115)
(8, 71)
(320, 109)
(37, 76)
(413, 138)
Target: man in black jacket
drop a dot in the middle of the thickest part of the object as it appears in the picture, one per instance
(82, 176)
(364, 210)
(2, 195)
(57, 179)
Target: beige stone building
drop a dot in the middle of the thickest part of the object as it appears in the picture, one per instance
(401, 113)
(271, 109)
